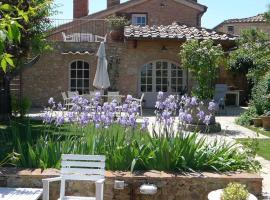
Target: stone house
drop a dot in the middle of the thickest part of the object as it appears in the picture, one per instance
(145, 61)
(235, 26)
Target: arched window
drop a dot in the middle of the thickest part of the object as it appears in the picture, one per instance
(79, 76)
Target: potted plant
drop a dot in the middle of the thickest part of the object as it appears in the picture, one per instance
(266, 121)
(117, 24)
(202, 59)
(234, 191)
(257, 121)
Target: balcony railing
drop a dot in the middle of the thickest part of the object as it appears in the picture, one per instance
(78, 30)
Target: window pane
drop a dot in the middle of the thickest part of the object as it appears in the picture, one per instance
(143, 80)
(79, 83)
(143, 20)
(164, 81)
(86, 83)
(164, 88)
(158, 80)
(173, 73)
(173, 81)
(164, 73)
(86, 65)
(165, 65)
(73, 83)
(73, 65)
(79, 64)
(149, 80)
(158, 88)
(143, 73)
(73, 74)
(149, 73)
(143, 88)
(180, 73)
(86, 74)
(158, 65)
(158, 73)
(79, 74)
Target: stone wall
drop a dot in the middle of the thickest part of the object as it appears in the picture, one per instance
(238, 27)
(170, 186)
(50, 76)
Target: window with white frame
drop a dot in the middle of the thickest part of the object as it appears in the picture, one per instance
(139, 19)
(79, 76)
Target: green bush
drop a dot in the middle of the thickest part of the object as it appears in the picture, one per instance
(235, 191)
(20, 108)
(260, 94)
(127, 150)
(246, 117)
(259, 103)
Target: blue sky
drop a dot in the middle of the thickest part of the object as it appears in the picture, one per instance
(218, 10)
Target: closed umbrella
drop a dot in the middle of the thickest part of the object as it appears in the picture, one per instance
(101, 80)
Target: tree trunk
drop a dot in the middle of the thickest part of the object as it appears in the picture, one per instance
(5, 97)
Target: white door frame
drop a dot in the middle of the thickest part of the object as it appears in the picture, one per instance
(150, 97)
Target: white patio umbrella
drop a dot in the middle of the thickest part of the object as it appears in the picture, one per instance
(101, 80)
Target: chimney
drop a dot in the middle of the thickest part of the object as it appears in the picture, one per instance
(111, 3)
(80, 8)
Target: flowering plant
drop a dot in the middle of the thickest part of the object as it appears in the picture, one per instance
(102, 115)
(190, 111)
(202, 59)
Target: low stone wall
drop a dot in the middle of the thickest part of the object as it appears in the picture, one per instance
(170, 186)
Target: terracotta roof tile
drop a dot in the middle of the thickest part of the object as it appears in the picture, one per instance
(257, 18)
(174, 31)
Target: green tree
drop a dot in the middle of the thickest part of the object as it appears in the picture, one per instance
(252, 55)
(23, 26)
(202, 59)
(267, 14)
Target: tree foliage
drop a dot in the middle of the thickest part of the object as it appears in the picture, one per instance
(23, 26)
(202, 59)
(252, 56)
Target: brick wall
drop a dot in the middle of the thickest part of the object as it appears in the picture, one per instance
(50, 75)
(171, 12)
(170, 186)
(241, 26)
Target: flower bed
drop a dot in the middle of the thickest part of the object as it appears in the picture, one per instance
(113, 130)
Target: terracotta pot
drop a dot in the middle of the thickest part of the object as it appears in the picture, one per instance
(266, 122)
(257, 122)
(117, 35)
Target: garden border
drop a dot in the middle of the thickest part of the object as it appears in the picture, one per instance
(170, 185)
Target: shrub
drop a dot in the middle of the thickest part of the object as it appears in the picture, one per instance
(202, 59)
(246, 117)
(20, 107)
(117, 22)
(235, 191)
(260, 94)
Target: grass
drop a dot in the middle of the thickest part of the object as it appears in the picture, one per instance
(259, 130)
(263, 148)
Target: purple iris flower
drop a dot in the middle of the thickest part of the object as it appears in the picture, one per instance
(59, 120)
(194, 101)
(160, 96)
(201, 115)
(207, 119)
(145, 123)
(47, 118)
(51, 101)
(212, 106)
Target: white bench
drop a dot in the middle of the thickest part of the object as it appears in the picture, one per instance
(20, 193)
